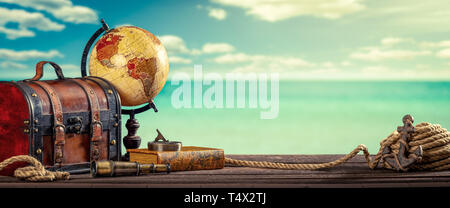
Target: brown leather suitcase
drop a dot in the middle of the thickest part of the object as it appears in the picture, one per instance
(65, 123)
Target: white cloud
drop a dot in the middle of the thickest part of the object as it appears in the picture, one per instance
(28, 54)
(440, 44)
(12, 65)
(389, 41)
(346, 63)
(367, 73)
(386, 49)
(377, 54)
(217, 48)
(69, 67)
(445, 53)
(75, 14)
(327, 64)
(219, 14)
(374, 70)
(13, 34)
(61, 9)
(417, 15)
(25, 20)
(174, 44)
(391, 48)
(232, 58)
(276, 10)
(179, 60)
(418, 73)
(263, 59)
(216, 13)
(262, 63)
(405, 16)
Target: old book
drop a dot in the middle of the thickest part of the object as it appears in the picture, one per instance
(188, 158)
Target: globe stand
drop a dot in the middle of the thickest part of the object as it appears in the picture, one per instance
(132, 140)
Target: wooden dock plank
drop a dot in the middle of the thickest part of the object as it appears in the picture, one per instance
(355, 173)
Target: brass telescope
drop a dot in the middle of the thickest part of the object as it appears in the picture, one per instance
(115, 168)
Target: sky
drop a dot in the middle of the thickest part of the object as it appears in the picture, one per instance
(299, 39)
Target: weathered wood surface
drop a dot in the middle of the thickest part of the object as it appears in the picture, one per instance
(354, 173)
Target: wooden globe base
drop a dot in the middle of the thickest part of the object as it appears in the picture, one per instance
(131, 140)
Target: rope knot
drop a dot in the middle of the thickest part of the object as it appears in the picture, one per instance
(35, 172)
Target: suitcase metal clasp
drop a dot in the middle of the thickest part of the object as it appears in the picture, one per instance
(74, 125)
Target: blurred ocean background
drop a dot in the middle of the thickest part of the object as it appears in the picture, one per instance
(315, 117)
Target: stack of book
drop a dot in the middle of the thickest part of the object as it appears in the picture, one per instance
(188, 158)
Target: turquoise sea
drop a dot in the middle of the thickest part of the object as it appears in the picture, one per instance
(315, 117)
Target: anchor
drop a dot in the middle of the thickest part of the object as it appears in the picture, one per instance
(403, 159)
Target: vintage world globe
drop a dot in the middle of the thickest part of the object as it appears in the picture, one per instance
(133, 60)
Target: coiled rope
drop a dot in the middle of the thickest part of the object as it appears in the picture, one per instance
(434, 139)
(36, 172)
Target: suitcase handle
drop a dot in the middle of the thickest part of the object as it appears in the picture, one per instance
(40, 70)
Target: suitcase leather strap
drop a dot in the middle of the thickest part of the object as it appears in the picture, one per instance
(40, 71)
(96, 124)
(58, 123)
